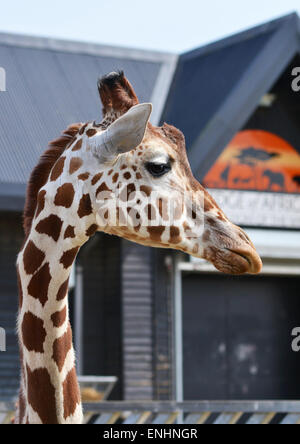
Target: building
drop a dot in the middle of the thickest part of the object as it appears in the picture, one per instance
(166, 325)
(238, 104)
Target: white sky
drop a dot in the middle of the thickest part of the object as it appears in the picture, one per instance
(164, 25)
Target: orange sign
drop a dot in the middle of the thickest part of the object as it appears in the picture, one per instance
(256, 160)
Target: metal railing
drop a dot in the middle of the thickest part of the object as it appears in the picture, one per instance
(187, 412)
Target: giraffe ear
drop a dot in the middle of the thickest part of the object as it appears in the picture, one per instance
(124, 134)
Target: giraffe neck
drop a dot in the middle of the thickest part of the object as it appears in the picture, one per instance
(49, 388)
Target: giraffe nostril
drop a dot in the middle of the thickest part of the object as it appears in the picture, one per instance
(244, 237)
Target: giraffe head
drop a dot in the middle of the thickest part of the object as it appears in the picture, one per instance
(137, 183)
(144, 190)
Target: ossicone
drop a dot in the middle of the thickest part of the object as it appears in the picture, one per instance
(116, 93)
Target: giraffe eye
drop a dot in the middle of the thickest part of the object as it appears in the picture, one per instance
(158, 169)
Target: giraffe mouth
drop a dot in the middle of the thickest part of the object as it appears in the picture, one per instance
(247, 261)
(235, 261)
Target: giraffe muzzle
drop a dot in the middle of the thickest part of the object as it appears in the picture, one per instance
(248, 259)
(234, 260)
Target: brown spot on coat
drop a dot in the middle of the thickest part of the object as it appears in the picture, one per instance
(68, 257)
(131, 191)
(138, 176)
(40, 202)
(145, 189)
(97, 178)
(39, 284)
(115, 177)
(91, 132)
(127, 175)
(51, 226)
(61, 347)
(102, 188)
(33, 333)
(91, 230)
(150, 212)
(64, 195)
(175, 237)
(41, 395)
(155, 233)
(58, 169)
(128, 192)
(82, 129)
(58, 318)
(63, 290)
(85, 206)
(134, 218)
(71, 393)
(186, 226)
(32, 258)
(75, 164)
(77, 145)
(20, 289)
(163, 208)
(70, 232)
(84, 176)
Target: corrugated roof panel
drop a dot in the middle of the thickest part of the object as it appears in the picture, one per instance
(46, 91)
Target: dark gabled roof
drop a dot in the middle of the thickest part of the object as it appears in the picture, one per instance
(51, 84)
(216, 88)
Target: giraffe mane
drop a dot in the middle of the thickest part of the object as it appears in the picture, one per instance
(40, 173)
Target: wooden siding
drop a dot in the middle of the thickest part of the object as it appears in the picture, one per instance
(163, 325)
(137, 318)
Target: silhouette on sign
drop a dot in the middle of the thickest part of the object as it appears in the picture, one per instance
(274, 178)
(250, 156)
(225, 174)
(237, 180)
(256, 160)
(296, 179)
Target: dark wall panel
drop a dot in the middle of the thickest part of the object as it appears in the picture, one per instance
(237, 337)
(100, 259)
(11, 237)
(163, 325)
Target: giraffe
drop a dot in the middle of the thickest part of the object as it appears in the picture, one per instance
(90, 170)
